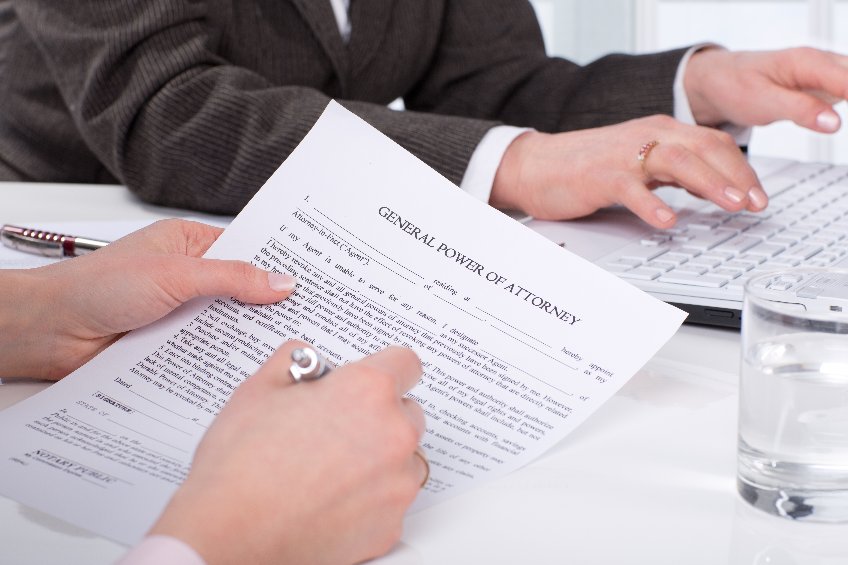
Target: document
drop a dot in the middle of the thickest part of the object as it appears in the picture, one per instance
(520, 340)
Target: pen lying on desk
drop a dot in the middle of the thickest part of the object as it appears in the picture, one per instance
(47, 243)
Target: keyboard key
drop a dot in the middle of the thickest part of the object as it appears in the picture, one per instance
(707, 221)
(738, 244)
(663, 266)
(765, 229)
(718, 254)
(623, 264)
(707, 261)
(704, 240)
(781, 262)
(784, 241)
(832, 234)
(693, 279)
(802, 251)
(740, 265)
(726, 273)
(827, 256)
(676, 258)
(766, 249)
(641, 273)
(797, 235)
(741, 222)
(642, 252)
(686, 250)
(691, 267)
(752, 258)
(656, 239)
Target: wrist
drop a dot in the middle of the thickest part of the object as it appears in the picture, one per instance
(506, 188)
(203, 527)
(701, 71)
(25, 322)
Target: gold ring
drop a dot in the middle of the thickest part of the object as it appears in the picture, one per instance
(424, 460)
(644, 151)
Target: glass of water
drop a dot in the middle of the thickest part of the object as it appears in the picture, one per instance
(793, 395)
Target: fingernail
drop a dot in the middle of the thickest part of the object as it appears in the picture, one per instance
(281, 282)
(828, 121)
(758, 197)
(734, 194)
(664, 215)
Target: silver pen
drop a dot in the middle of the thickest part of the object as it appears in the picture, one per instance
(47, 243)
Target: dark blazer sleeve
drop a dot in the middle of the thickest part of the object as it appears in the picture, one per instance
(491, 64)
(181, 126)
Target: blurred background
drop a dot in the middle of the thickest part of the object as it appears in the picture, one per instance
(583, 30)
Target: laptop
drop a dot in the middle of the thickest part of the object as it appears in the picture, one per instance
(701, 264)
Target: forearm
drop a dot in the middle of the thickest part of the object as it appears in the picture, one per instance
(491, 64)
(181, 125)
(26, 325)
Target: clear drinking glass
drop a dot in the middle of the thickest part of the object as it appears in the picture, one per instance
(793, 395)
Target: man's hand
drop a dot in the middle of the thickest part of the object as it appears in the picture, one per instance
(64, 314)
(758, 88)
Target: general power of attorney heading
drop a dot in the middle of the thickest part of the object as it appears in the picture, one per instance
(520, 340)
(472, 265)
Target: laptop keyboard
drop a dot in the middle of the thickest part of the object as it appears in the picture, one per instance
(805, 224)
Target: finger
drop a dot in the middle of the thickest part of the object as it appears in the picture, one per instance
(814, 69)
(415, 414)
(803, 108)
(401, 362)
(275, 370)
(421, 467)
(189, 277)
(633, 194)
(183, 237)
(724, 155)
(198, 237)
(675, 162)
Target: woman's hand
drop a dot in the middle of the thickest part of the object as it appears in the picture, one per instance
(318, 472)
(754, 88)
(64, 314)
(572, 174)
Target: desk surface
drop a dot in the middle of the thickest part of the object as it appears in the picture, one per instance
(650, 478)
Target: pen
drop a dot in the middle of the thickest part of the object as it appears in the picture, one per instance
(47, 243)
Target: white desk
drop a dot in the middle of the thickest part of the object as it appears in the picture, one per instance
(650, 478)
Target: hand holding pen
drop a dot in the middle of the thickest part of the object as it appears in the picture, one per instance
(46, 243)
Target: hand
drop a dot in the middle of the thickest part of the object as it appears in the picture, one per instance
(758, 88)
(318, 472)
(569, 175)
(66, 313)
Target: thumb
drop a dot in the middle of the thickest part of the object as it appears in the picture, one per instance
(192, 277)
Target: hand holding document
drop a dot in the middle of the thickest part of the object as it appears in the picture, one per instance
(520, 341)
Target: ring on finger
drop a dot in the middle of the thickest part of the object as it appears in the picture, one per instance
(420, 454)
(308, 365)
(642, 157)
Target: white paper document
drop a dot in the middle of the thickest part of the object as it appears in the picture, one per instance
(520, 340)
